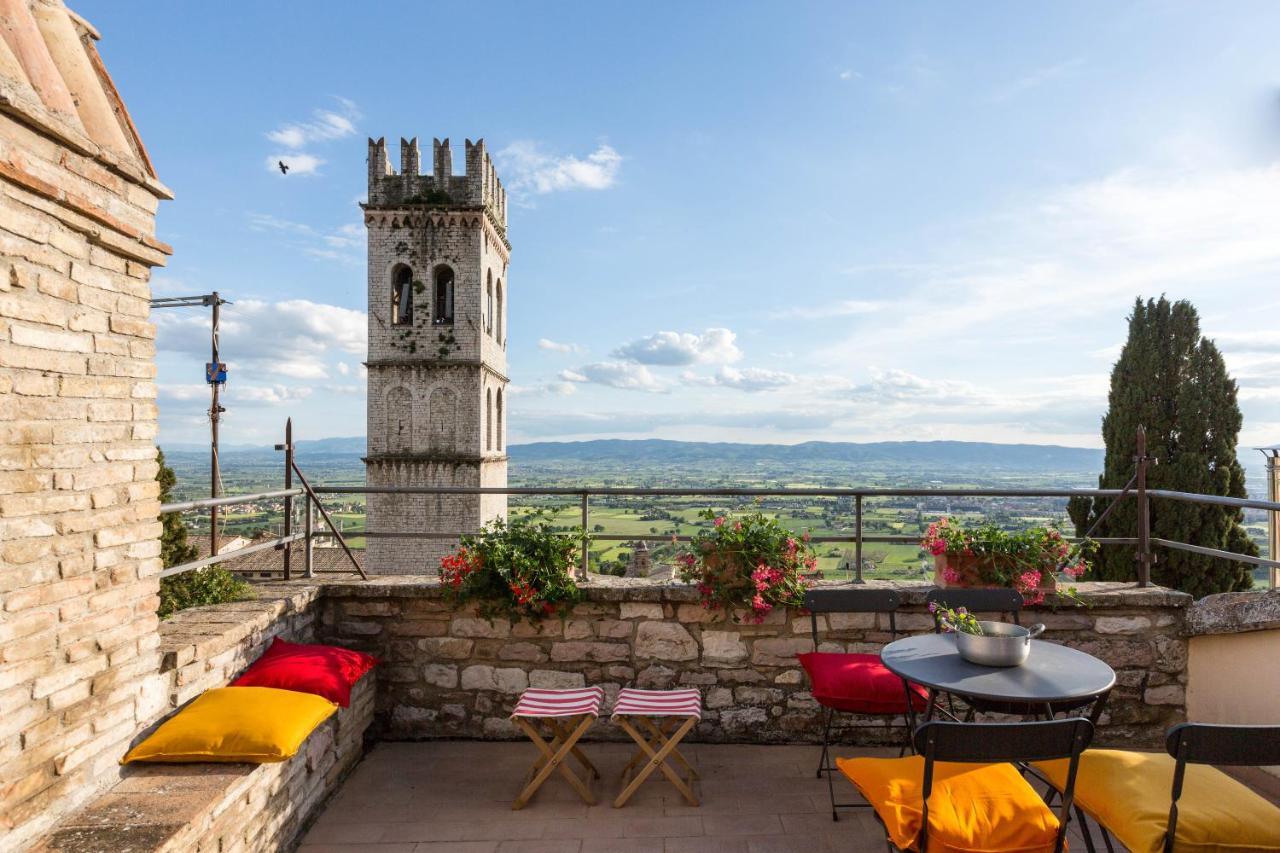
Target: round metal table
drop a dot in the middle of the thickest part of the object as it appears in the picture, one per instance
(1052, 674)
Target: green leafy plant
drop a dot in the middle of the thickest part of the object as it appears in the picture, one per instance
(992, 556)
(955, 620)
(517, 569)
(211, 585)
(752, 563)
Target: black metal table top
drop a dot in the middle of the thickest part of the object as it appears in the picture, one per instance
(1052, 673)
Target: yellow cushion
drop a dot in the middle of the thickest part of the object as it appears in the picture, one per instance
(972, 807)
(1128, 793)
(248, 724)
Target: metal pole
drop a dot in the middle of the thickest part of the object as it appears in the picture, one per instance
(1273, 527)
(215, 410)
(288, 502)
(308, 527)
(857, 540)
(1144, 510)
(582, 574)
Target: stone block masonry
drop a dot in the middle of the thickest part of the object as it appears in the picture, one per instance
(79, 547)
(450, 674)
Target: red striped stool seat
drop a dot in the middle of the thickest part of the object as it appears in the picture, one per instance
(658, 703)
(676, 713)
(542, 702)
(565, 715)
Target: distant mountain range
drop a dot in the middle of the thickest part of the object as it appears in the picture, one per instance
(966, 454)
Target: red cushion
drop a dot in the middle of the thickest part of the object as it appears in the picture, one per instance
(859, 684)
(326, 671)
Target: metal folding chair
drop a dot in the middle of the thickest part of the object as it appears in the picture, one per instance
(855, 683)
(666, 716)
(985, 744)
(566, 715)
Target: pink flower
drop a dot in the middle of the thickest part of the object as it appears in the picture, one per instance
(719, 522)
(737, 525)
(950, 575)
(938, 547)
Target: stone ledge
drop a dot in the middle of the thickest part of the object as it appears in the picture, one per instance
(613, 589)
(181, 807)
(203, 632)
(1234, 613)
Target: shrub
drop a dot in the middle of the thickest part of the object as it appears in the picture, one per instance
(752, 564)
(990, 556)
(517, 569)
(211, 585)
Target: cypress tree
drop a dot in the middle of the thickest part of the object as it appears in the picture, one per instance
(1172, 381)
(174, 547)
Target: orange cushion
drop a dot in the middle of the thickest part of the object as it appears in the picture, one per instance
(1128, 793)
(972, 807)
(858, 684)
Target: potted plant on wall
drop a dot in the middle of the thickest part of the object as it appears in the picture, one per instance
(516, 569)
(751, 564)
(987, 556)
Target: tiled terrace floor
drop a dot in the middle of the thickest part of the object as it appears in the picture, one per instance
(445, 796)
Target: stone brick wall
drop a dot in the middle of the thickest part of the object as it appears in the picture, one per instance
(449, 674)
(79, 553)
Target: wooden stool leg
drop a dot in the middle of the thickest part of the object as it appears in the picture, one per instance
(657, 761)
(562, 734)
(661, 732)
(553, 760)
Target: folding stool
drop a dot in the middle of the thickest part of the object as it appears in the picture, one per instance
(676, 712)
(566, 714)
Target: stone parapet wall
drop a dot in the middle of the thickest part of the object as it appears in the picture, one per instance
(448, 674)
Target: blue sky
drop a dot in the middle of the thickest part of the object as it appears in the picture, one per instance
(731, 221)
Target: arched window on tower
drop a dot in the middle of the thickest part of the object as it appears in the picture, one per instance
(497, 423)
(488, 419)
(498, 335)
(488, 305)
(442, 297)
(401, 296)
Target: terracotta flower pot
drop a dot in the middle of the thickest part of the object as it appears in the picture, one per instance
(970, 571)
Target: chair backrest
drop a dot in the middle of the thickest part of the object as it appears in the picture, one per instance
(975, 600)
(1223, 745)
(851, 601)
(988, 743)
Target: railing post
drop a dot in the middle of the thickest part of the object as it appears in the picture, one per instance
(1144, 510)
(584, 570)
(857, 540)
(308, 529)
(288, 501)
(1273, 527)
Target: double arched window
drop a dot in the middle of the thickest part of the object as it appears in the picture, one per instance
(442, 296)
(401, 296)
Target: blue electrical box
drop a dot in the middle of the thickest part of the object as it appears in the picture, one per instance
(215, 373)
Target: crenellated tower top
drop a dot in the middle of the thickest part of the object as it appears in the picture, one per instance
(478, 187)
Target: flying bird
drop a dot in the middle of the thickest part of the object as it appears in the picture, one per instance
(284, 170)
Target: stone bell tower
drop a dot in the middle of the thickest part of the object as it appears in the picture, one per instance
(438, 256)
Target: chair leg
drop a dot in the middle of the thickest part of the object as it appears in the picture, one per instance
(553, 758)
(824, 765)
(657, 761)
(1084, 830)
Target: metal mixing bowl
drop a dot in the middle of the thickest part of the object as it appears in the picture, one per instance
(1001, 644)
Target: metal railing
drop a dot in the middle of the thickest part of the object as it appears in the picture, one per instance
(1142, 541)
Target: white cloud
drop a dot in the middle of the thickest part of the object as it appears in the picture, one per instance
(555, 346)
(749, 379)
(299, 163)
(1037, 78)
(545, 389)
(616, 374)
(325, 125)
(343, 244)
(714, 346)
(850, 74)
(294, 338)
(532, 170)
(843, 308)
(272, 395)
